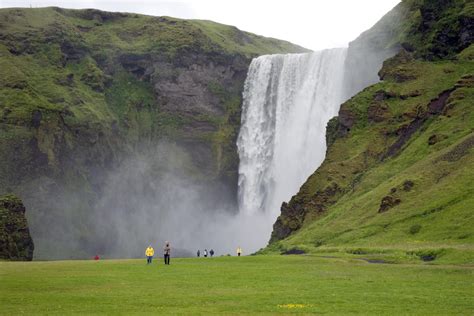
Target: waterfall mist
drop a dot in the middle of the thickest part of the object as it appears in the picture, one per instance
(151, 198)
(288, 100)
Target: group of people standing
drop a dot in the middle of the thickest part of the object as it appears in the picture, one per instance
(150, 252)
(211, 253)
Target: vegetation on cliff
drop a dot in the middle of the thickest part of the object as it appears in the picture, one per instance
(15, 239)
(397, 179)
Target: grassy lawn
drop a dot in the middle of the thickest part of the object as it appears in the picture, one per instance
(232, 285)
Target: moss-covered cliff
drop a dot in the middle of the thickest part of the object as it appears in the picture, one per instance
(398, 177)
(82, 90)
(15, 239)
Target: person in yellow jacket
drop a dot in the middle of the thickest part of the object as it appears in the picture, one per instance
(239, 251)
(149, 252)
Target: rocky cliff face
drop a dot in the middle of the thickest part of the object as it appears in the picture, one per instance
(386, 184)
(366, 54)
(429, 29)
(15, 239)
(83, 92)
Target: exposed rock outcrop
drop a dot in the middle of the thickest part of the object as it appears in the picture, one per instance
(15, 240)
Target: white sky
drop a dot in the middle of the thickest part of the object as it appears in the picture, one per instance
(314, 24)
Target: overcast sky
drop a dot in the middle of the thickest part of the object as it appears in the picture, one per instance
(314, 24)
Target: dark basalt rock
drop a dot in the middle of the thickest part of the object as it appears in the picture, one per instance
(293, 251)
(15, 239)
(36, 118)
(293, 213)
(388, 202)
(346, 118)
(434, 108)
(73, 50)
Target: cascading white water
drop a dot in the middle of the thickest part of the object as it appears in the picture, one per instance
(288, 100)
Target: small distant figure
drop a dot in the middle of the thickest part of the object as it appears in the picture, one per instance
(149, 253)
(198, 253)
(211, 252)
(167, 252)
(239, 251)
(205, 253)
(96, 257)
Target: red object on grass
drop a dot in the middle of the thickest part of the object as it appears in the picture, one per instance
(96, 257)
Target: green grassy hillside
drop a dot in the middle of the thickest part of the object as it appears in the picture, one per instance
(70, 78)
(235, 285)
(397, 180)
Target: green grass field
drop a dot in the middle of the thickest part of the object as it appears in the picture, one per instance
(232, 285)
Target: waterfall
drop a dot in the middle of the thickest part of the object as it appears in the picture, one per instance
(287, 102)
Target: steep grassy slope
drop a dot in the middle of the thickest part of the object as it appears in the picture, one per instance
(81, 91)
(398, 176)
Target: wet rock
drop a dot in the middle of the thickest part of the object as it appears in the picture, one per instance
(347, 119)
(388, 202)
(15, 240)
(36, 118)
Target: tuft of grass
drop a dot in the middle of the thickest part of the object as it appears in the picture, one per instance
(414, 229)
